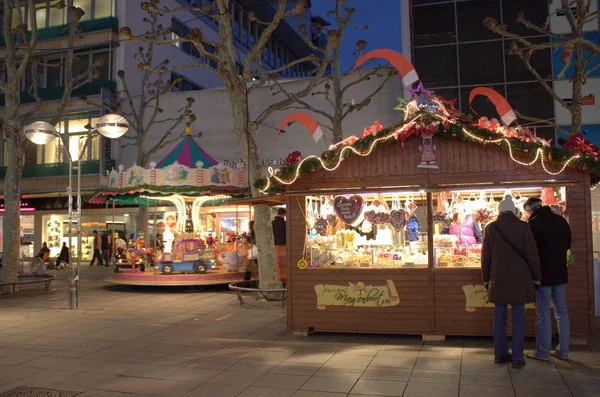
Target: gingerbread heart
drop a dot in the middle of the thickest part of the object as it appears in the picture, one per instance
(370, 216)
(348, 209)
(398, 219)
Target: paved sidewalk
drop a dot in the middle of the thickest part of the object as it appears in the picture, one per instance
(148, 342)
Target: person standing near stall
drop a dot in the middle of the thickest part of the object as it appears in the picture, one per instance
(552, 235)
(279, 238)
(511, 272)
(97, 249)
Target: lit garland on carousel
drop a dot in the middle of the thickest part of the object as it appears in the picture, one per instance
(427, 114)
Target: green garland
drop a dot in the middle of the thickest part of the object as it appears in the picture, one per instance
(330, 158)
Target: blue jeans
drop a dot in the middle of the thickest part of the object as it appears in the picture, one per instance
(543, 322)
(518, 330)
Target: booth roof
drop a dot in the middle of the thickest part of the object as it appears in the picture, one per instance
(188, 153)
(450, 127)
(134, 195)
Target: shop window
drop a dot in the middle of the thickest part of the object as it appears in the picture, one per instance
(541, 62)
(40, 18)
(448, 94)
(481, 63)
(437, 65)
(53, 73)
(103, 8)
(460, 219)
(81, 64)
(535, 11)
(434, 24)
(470, 16)
(357, 231)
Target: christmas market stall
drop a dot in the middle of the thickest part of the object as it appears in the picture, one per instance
(385, 229)
(195, 235)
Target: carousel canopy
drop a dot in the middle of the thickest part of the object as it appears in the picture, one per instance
(188, 153)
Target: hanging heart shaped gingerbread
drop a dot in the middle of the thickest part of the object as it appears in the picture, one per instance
(370, 216)
(398, 219)
(348, 209)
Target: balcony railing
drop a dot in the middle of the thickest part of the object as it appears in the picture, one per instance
(49, 94)
(93, 25)
(91, 167)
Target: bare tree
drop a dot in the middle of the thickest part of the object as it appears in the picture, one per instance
(239, 85)
(20, 56)
(144, 110)
(572, 41)
(334, 87)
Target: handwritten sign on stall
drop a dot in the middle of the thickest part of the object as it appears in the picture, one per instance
(349, 209)
(476, 296)
(357, 295)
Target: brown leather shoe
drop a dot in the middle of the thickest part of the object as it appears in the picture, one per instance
(554, 354)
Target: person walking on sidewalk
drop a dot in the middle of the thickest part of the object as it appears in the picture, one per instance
(104, 244)
(511, 270)
(552, 235)
(97, 249)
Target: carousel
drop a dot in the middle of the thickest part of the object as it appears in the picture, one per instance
(196, 234)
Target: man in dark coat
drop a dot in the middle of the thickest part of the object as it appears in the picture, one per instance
(552, 235)
(97, 249)
(511, 270)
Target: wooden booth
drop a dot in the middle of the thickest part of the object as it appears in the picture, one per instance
(386, 241)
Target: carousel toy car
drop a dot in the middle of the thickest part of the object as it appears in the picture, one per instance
(188, 257)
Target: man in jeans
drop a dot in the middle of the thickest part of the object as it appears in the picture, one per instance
(97, 249)
(553, 239)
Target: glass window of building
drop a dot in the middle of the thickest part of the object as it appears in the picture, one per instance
(103, 8)
(437, 73)
(470, 16)
(535, 11)
(56, 17)
(104, 69)
(40, 18)
(520, 97)
(85, 5)
(481, 63)
(541, 61)
(434, 24)
(53, 73)
(481, 105)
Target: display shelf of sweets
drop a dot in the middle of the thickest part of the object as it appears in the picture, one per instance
(445, 241)
(459, 256)
(417, 259)
(386, 259)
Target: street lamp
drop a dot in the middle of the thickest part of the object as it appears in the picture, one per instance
(111, 126)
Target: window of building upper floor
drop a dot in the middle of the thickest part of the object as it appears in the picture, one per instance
(48, 16)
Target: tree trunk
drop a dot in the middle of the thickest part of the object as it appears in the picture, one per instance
(11, 225)
(142, 217)
(338, 111)
(267, 265)
(577, 96)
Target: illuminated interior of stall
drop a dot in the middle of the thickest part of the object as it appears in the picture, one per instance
(390, 230)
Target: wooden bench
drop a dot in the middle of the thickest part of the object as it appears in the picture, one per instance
(31, 279)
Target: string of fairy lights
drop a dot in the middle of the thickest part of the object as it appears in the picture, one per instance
(539, 155)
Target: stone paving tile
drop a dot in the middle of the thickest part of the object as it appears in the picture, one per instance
(486, 390)
(448, 377)
(304, 393)
(437, 352)
(420, 389)
(103, 393)
(385, 373)
(215, 390)
(379, 387)
(125, 384)
(437, 364)
(532, 391)
(280, 381)
(339, 372)
(169, 388)
(84, 381)
(47, 377)
(293, 368)
(236, 378)
(348, 362)
(265, 392)
(393, 361)
(329, 384)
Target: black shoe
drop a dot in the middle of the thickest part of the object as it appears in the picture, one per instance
(518, 364)
(505, 359)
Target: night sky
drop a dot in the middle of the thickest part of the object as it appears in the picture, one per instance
(383, 21)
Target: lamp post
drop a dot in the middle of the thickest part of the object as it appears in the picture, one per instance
(111, 126)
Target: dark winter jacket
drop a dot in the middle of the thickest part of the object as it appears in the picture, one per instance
(279, 230)
(552, 235)
(510, 277)
(104, 241)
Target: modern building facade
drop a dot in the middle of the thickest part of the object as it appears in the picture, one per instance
(454, 52)
(46, 167)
